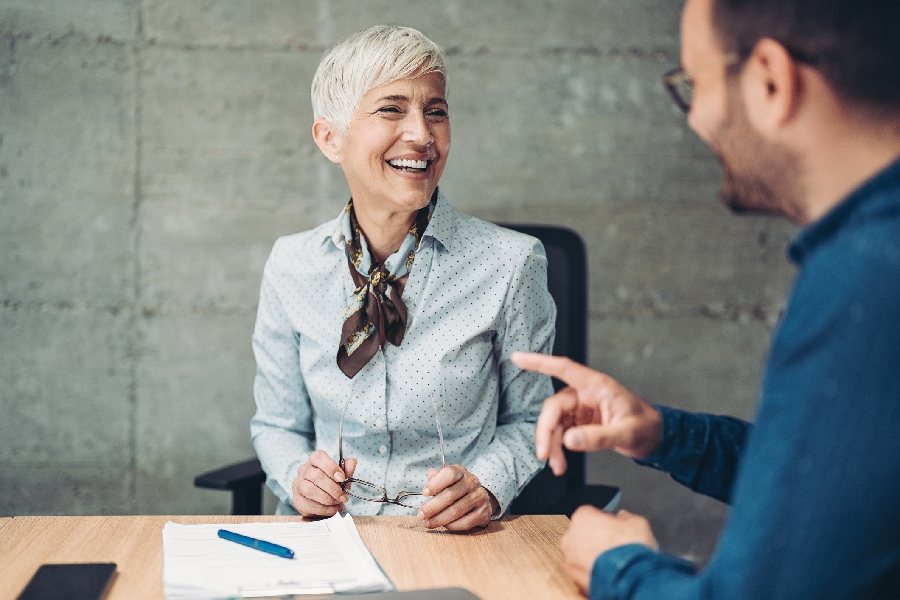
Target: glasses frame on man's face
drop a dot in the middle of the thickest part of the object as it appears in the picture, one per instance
(398, 500)
(680, 82)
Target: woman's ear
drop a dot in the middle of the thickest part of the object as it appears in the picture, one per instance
(329, 140)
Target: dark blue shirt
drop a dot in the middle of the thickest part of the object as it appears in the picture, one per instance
(815, 484)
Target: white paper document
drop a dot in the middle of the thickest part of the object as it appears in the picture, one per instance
(329, 555)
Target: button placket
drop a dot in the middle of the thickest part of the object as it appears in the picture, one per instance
(379, 407)
(418, 276)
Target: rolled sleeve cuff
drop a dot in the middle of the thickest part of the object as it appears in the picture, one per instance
(619, 572)
(504, 490)
(671, 422)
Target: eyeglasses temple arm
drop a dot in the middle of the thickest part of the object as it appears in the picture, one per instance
(341, 427)
(440, 433)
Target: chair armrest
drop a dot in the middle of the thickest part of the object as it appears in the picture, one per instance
(243, 479)
(234, 476)
(604, 497)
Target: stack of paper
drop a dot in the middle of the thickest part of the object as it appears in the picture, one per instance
(328, 556)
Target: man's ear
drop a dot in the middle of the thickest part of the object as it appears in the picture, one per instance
(771, 85)
(329, 140)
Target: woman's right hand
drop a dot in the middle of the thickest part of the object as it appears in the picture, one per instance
(317, 489)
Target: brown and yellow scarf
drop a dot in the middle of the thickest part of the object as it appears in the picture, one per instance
(376, 312)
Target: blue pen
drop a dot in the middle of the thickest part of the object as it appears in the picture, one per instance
(256, 544)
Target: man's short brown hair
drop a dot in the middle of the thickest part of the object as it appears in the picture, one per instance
(854, 44)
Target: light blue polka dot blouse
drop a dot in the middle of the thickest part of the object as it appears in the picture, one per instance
(476, 293)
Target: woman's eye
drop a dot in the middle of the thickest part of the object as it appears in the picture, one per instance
(436, 112)
(389, 110)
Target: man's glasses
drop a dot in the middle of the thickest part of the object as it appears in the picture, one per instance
(680, 82)
(375, 493)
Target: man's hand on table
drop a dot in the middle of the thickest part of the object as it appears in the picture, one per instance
(459, 501)
(593, 532)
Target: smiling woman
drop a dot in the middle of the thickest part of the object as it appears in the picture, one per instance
(398, 301)
(393, 154)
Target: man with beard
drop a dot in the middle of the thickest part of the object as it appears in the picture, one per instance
(800, 100)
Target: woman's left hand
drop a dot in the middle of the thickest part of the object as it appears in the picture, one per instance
(459, 501)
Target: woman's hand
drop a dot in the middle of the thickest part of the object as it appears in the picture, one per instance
(459, 501)
(317, 488)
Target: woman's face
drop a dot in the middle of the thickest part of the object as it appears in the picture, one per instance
(397, 144)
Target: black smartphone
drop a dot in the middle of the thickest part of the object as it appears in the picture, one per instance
(78, 581)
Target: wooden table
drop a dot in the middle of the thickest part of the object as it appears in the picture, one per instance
(516, 557)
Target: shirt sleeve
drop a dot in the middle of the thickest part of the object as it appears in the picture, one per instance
(700, 451)
(528, 325)
(814, 506)
(282, 429)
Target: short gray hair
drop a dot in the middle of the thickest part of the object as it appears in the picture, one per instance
(367, 59)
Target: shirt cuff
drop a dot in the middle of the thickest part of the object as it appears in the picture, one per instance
(618, 572)
(503, 490)
(499, 512)
(671, 418)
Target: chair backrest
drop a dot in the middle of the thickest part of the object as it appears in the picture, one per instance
(568, 284)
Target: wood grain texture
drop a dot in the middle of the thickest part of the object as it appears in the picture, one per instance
(517, 557)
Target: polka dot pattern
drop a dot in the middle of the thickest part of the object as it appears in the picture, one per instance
(476, 294)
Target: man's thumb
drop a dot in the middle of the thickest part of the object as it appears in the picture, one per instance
(590, 438)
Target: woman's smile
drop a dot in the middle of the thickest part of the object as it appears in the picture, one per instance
(409, 165)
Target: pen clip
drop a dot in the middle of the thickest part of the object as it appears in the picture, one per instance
(288, 588)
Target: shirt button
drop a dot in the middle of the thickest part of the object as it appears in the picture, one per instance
(378, 422)
(383, 449)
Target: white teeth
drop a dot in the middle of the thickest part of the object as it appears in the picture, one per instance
(411, 164)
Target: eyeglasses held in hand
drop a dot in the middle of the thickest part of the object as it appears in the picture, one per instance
(375, 493)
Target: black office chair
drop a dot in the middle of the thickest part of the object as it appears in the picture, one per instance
(567, 278)
(546, 493)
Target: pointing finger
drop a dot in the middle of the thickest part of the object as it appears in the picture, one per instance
(560, 367)
(557, 458)
(552, 415)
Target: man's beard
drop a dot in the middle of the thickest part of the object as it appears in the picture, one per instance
(759, 176)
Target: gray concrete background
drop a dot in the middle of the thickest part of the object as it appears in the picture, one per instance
(151, 151)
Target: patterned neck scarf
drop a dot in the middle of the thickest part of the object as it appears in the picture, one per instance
(376, 313)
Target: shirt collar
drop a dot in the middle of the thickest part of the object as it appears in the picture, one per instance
(337, 234)
(442, 226)
(880, 192)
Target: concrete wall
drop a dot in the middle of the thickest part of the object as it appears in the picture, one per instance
(152, 150)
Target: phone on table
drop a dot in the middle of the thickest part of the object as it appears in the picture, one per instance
(77, 581)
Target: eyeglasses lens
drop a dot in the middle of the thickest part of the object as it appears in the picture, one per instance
(684, 89)
(365, 491)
